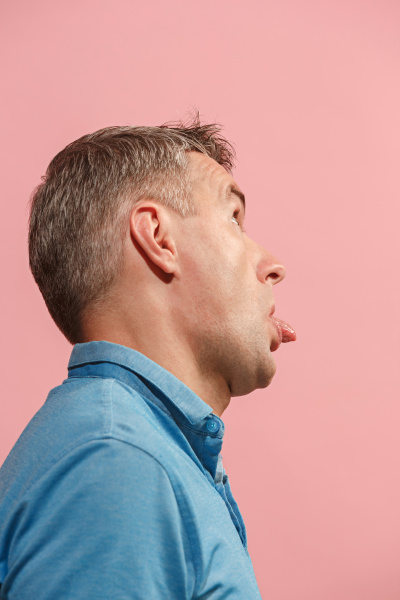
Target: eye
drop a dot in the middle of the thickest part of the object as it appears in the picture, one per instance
(235, 217)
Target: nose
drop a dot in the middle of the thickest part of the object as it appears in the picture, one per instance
(270, 269)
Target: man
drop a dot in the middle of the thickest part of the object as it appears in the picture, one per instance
(116, 488)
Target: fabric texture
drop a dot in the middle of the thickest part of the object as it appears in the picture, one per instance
(116, 490)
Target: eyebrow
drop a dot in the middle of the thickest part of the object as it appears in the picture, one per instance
(232, 189)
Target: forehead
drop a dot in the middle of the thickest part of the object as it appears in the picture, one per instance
(210, 180)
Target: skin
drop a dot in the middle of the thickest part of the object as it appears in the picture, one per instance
(206, 290)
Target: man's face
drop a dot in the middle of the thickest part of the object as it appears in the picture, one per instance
(227, 283)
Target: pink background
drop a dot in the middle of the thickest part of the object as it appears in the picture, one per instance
(309, 92)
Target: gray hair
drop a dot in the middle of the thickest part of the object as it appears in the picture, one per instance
(80, 212)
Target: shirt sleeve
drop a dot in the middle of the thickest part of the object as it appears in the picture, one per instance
(104, 523)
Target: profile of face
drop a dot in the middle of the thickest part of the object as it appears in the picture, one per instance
(225, 300)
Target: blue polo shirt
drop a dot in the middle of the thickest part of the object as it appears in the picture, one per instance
(116, 490)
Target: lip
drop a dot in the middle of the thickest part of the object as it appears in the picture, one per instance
(277, 340)
(284, 331)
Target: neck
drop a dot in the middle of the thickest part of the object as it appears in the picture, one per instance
(155, 336)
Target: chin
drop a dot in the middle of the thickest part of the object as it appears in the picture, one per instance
(266, 372)
(265, 382)
(256, 379)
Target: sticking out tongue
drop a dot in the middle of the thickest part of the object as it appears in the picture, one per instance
(286, 332)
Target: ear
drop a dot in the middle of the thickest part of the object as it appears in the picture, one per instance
(151, 228)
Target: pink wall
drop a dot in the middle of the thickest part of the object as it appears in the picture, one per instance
(309, 91)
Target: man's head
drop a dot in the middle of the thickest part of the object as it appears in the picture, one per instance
(79, 212)
(140, 231)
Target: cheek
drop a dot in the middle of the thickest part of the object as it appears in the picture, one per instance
(216, 265)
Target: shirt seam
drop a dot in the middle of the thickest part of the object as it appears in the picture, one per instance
(119, 382)
(110, 436)
(109, 399)
(130, 390)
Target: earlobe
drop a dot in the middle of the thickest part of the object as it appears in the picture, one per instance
(151, 228)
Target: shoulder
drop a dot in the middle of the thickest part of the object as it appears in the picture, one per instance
(88, 423)
(107, 511)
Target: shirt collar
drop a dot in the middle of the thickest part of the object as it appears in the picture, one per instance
(191, 406)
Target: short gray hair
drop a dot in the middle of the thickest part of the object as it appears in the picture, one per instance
(80, 212)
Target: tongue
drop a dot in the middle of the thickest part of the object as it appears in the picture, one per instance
(288, 333)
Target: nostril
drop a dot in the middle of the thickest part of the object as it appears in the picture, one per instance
(269, 269)
(274, 276)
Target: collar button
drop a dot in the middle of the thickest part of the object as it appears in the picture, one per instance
(213, 425)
